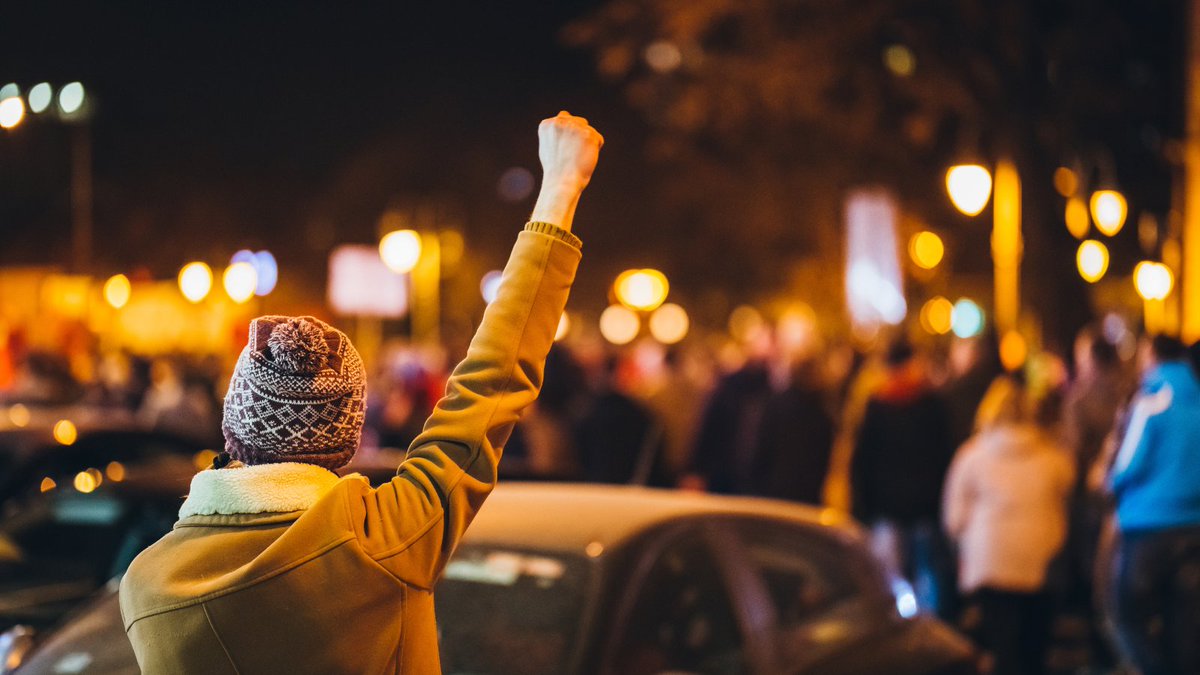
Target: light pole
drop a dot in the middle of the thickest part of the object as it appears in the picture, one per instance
(74, 108)
(969, 187)
(419, 255)
(1153, 281)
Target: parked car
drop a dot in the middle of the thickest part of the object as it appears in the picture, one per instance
(81, 492)
(556, 578)
(54, 443)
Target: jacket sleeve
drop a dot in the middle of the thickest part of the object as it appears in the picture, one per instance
(1132, 458)
(413, 524)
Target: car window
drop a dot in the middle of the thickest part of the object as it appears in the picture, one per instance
(804, 573)
(503, 611)
(682, 619)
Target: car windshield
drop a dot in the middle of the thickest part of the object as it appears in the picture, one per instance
(67, 536)
(504, 611)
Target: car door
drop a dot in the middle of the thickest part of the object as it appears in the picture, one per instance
(823, 595)
(677, 613)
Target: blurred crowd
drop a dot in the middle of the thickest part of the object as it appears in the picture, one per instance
(991, 493)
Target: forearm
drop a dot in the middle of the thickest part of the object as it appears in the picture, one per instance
(556, 203)
(456, 456)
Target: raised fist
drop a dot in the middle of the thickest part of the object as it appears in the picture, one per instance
(568, 149)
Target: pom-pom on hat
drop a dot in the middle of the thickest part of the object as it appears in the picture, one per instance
(298, 394)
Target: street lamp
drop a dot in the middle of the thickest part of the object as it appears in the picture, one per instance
(195, 281)
(240, 280)
(1065, 181)
(643, 290)
(970, 187)
(400, 250)
(1108, 211)
(12, 111)
(71, 98)
(1153, 280)
(966, 318)
(619, 324)
(936, 315)
(1092, 260)
(40, 97)
(1076, 217)
(117, 291)
(669, 324)
(564, 327)
(926, 250)
(74, 108)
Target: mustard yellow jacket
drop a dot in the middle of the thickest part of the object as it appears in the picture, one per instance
(287, 568)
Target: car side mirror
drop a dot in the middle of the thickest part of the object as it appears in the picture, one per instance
(15, 645)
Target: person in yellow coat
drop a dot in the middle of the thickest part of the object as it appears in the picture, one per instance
(276, 564)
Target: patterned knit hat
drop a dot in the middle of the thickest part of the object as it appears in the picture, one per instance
(298, 394)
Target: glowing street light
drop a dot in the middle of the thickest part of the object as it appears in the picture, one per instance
(1108, 211)
(71, 98)
(117, 291)
(400, 250)
(489, 286)
(12, 111)
(1013, 350)
(266, 270)
(1076, 217)
(926, 250)
(1092, 260)
(40, 97)
(88, 481)
(1153, 280)
(65, 432)
(966, 319)
(240, 281)
(899, 59)
(642, 290)
(564, 327)
(1065, 181)
(970, 187)
(195, 281)
(619, 325)
(936, 315)
(669, 324)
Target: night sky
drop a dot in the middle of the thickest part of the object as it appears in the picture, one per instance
(217, 128)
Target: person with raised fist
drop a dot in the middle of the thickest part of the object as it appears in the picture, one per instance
(277, 564)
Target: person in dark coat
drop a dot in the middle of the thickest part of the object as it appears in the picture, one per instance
(724, 457)
(618, 439)
(899, 467)
(795, 440)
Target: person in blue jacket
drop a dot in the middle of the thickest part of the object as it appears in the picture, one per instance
(1155, 480)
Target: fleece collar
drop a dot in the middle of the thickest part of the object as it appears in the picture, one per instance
(263, 488)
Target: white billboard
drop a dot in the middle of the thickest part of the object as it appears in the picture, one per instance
(361, 285)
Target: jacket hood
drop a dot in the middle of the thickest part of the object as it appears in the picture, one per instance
(263, 488)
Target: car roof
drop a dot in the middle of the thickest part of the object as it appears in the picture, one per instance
(589, 519)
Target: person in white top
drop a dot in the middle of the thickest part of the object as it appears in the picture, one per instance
(1006, 500)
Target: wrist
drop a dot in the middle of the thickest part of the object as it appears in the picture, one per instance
(556, 204)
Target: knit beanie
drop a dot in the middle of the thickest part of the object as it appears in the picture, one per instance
(298, 394)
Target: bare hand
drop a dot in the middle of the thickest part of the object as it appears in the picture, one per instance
(568, 149)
